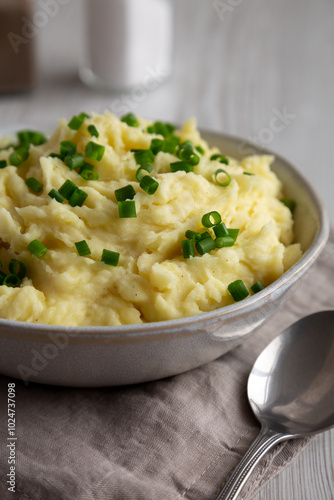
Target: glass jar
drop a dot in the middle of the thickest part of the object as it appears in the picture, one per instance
(127, 40)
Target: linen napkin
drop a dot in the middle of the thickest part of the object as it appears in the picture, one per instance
(175, 439)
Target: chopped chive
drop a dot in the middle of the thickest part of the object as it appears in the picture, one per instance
(248, 173)
(87, 166)
(77, 198)
(193, 235)
(257, 287)
(222, 171)
(11, 280)
(77, 120)
(89, 175)
(67, 189)
(200, 150)
(220, 230)
(186, 153)
(211, 219)
(205, 235)
(82, 248)
(177, 166)
(233, 233)
(188, 248)
(224, 241)
(55, 155)
(67, 148)
(169, 145)
(54, 194)
(34, 184)
(37, 248)
(130, 119)
(27, 137)
(93, 131)
(238, 290)
(3, 163)
(18, 268)
(148, 184)
(290, 203)
(19, 155)
(75, 161)
(220, 158)
(159, 128)
(109, 257)
(2, 277)
(127, 209)
(156, 145)
(94, 151)
(144, 156)
(125, 193)
(205, 245)
(142, 171)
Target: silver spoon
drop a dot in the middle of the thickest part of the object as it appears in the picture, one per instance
(290, 390)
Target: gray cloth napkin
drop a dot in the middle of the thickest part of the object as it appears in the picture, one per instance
(175, 439)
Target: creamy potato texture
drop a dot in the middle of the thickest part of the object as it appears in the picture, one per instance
(152, 280)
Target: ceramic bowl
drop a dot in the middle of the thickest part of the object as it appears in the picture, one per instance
(107, 356)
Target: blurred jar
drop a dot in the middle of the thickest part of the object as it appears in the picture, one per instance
(128, 41)
(17, 54)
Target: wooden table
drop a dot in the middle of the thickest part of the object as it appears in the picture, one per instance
(238, 64)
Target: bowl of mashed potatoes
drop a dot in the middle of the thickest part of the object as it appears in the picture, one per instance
(133, 250)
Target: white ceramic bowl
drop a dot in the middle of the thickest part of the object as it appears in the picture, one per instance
(104, 356)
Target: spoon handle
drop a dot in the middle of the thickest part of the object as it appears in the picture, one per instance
(264, 441)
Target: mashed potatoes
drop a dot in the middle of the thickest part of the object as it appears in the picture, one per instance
(148, 278)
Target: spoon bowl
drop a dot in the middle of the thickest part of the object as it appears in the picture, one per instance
(290, 390)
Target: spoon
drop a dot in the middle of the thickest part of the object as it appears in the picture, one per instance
(290, 390)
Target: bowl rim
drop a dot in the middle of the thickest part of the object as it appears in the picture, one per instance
(225, 312)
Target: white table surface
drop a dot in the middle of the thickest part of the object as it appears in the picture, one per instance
(236, 66)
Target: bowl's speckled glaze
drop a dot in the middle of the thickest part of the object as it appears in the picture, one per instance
(105, 356)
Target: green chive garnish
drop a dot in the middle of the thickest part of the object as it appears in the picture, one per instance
(188, 248)
(2, 277)
(77, 198)
(3, 164)
(220, 230)
(156, 145)
(211, 219)
(17, 267)
(220, 158)
(34, 184)
(94, 151)
(125, 193)
(130, 119)
(224, 241)
(82, 248)
(200, 150)
(109, 257)
(127, 209)
(11, 280)
(144, 156)
(67, 189)
(177, 166)
(76, 122)
(148, 184)
(248, 173)
(205, 245)
(186, 153)
(143, 171)
(54, 194)
(257, 287)
(89, 175)
(193, 235)
(93, 131)
(233, 233)
(37, 248)
(216, 175)
(290, 203)
(55, 155)
(75, 161)
(27, 137)
(238, 290)
(159, 128)
(67, 148)
(19, 155)
(169, 145)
